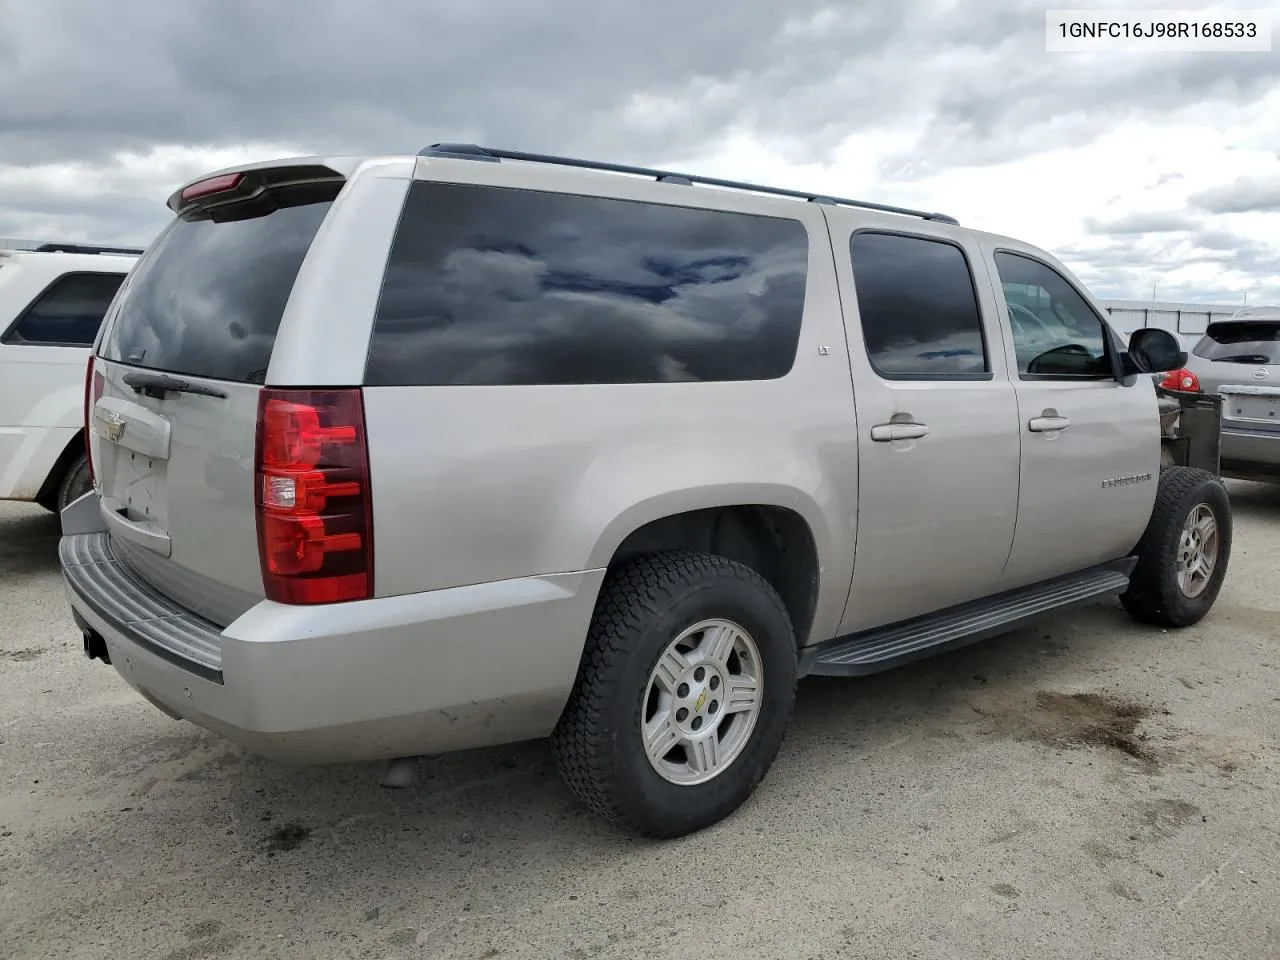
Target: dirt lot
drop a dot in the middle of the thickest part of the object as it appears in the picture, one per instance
(1087, 789)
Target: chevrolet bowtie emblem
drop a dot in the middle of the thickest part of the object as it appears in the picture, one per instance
(112, 425)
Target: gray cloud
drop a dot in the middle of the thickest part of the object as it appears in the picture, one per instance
(1140, 223)
(115, 217)
(969, 84)
(1246, 195)
(1112, 264)
(338, 76)
(555, 74)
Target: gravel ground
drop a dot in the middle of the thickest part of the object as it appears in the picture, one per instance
(1089, 788)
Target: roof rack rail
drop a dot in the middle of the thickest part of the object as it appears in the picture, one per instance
(85, 248)
(471, 151)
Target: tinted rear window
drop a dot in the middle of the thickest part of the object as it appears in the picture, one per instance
(491, 285)
(1254, 342)
(208, 299)
(69, 312)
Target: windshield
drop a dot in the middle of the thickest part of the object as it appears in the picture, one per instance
(1241, 342)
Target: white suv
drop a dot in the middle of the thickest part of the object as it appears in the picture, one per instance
(52, 300)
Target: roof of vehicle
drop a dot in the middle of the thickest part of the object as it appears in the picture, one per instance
(1271, 313)
(70, 258)
(479, 154)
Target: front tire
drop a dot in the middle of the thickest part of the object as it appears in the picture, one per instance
(683, 695)
(1183, 555)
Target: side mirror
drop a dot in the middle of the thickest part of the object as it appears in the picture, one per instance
(1152, 350)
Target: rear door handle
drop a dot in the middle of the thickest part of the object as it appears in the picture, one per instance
(885, 432)
(1047, 424)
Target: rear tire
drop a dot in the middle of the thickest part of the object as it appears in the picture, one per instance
(75, 483)
(686, 649)
(1183, 555)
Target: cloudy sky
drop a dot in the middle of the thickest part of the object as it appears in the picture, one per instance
(1139, 170)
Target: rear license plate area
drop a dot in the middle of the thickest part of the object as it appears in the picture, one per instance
(137, 485)
(1259, 409)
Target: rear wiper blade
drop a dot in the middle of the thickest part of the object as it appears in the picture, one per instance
(1245, 358)
(158, 384)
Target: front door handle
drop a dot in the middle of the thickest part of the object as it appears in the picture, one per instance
(885, 432)
(1047, 424)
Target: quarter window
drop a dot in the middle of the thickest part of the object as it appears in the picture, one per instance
(500, 286)
(69, 312)
(918, 308)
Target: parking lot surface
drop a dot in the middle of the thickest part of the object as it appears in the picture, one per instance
(1089, 788)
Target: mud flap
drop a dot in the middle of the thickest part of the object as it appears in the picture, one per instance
(1196, 438)
(83, 515)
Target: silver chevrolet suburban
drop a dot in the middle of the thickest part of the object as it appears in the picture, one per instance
(401, 455)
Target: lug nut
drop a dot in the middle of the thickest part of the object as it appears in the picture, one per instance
(699, 674)
(715, 683)
(682, 690)
(715, 705)
(682, 715)
(697, 723)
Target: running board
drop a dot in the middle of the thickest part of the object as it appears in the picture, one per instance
(882, 648)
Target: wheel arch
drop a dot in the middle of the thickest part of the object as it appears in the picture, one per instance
(777, 540)
(49, 488)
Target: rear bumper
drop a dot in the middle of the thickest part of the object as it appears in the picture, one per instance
(1250, 445)
(400, 676)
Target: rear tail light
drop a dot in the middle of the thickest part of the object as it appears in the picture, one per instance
(315, 513)
(93, 385)
(1182, 381)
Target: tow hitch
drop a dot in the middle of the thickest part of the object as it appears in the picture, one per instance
(95, 648)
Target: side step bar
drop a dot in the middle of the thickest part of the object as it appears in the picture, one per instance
(882, 648)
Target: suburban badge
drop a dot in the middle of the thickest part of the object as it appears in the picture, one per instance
(1127, 481)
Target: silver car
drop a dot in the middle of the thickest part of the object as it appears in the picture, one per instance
(401, 455)
(1239, 360)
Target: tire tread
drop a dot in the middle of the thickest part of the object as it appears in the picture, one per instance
(633, 592)
(1152, 596)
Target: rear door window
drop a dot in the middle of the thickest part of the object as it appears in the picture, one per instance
(68, 313)
(500, 286)
(918, 309)
(208, 298)
(1254, 341)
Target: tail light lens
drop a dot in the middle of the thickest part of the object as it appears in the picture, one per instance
(93, 385)
(1183, 381)
(315, 513)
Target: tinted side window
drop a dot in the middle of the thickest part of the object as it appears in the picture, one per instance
(919, 311)
(69, 312)
(491, 285)
(1056, 335)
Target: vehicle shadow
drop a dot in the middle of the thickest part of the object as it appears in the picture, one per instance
(1260, 501)
(486, 834)
(28, 540)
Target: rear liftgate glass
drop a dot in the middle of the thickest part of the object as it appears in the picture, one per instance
(207, 303)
